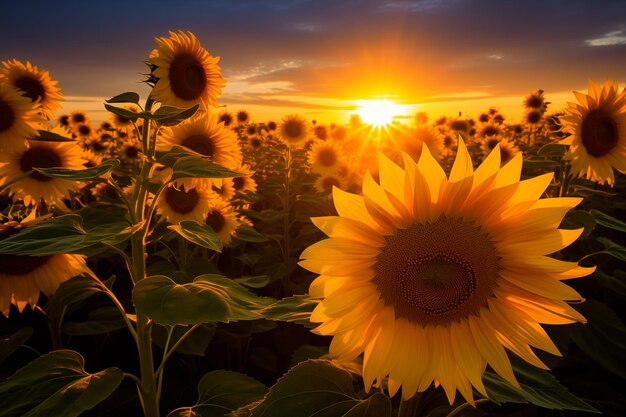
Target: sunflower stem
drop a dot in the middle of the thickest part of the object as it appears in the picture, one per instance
(463, 406)
(564, 188)
(286, 223)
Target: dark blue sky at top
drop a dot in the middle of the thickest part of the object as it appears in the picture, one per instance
(320, 47)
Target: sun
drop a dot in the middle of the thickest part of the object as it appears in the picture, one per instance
(377, 112)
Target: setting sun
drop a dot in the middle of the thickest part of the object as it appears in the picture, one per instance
(377, 112)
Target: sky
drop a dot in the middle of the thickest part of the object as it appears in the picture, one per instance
(318, 57)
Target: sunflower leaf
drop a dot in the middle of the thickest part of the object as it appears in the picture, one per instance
(603, 338)
(48, 136)
(81, 174)
(248, 234)
(316, 388)
(127, 97)
(193, 344)
(125, 113)
(70, 292)
(9, 344)
(538, 387)
(171, 116)
(193, 166)
(613, 249)
(295, 309)
(200, 234)
(552, 149)
(56, 384)
(221, 392)
(608, 221)
(209, 299)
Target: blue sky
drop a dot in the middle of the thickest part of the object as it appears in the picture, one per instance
(320, 55)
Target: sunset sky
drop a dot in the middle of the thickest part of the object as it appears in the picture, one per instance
(316, 57)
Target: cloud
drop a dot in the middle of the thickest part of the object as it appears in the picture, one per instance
(616, 37)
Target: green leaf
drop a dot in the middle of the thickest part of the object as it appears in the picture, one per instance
(249, 234)
(10, 344)
(615, 283)
(209, 299)
(583, 191)
(221, 392)
(258, 281)
(194, 166)
(64, 234)
(295, 309)
(56, 384)
(82, 174)
(47, 136)
(317, 388)
(608, 221)
(127, 114)
(170, 157)
(99, 321)
(538, 387)
(127, 97)
(613, 249)
(200, 234)
(603, 338)
(70, 292)
(194, 344)
(170, 116)
(552, 149)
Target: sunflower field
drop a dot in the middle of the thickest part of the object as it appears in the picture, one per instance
(179, 259)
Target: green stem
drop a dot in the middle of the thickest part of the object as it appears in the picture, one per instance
(170, 352)
(286, 202)
(463, 406)
(565, 180)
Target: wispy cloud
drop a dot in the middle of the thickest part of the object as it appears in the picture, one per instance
(616, 37)
(417, 6)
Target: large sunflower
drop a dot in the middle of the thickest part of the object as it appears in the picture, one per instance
(597, 125)
(35, 84)
(293, 130)
(23, 277)
(204, 135)
(18, 118)
(37, 187)
(186, 73)
(432, 277)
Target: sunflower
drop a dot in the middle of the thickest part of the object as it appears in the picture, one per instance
(224, 188)
(121, 122)
(35, 84)
(23, 277)
(536, 101)
(77, 117)
(325, 156)
(36, 186)
(320, 132)
(226, 118)
(180, 203)
(597, 128)
(18, 119)
(186, 73)
(203, 134)
(242, 116)
(508, 150)
(293, 130)
(432, 277)
(223, 220)
(244, 184)
(325, 182)
(533, 116)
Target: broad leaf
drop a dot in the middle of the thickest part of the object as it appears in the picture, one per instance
(70, 292)
(221, 392)
(10, 343)
(99, 321)
(127, 114)
(127, 97)
(47, 136)
(194, 344)
(249, 234)
(613, 249)
(316, 388)
(295, 309)
(170, 116)
(538, 387)
(200, 234)
(209, 299)
(193, 166)
(608, 221)
(258, 281)
(552, 149)
(56, 384)
(82, 174)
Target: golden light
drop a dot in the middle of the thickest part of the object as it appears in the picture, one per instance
(377, 112)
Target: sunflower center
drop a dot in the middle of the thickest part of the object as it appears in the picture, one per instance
(599, 133)
(216, 220)
(131, 152)
(201, 144)
(31, 88)
(39, 157)
(533, 117)
(329, 182)
(293, 129)
(534, 102)
(187, 77)
(239, 183)
(180, 200)
(437, 273)
(7, 116)
(19, 264)
(327, 157)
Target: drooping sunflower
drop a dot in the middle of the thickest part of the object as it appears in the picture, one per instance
(223, 220)
(35, 84)
(23, 277)
(37, 187)
(597, 128)
(186, 73)
(180, 203)
(203, 134)
(293, 130)
(325, 156)
(19, 119)
(432, 277)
